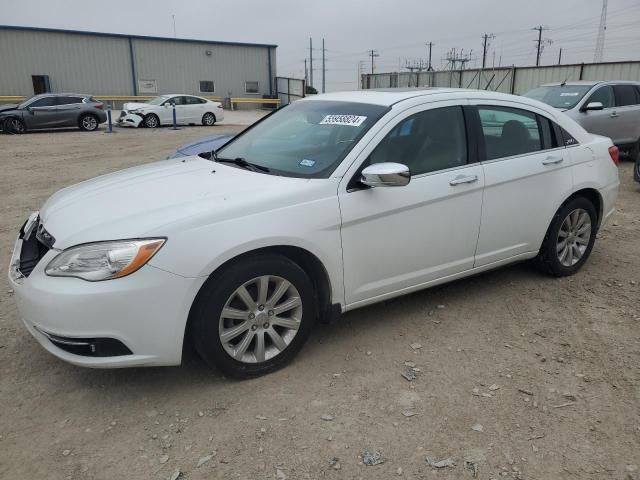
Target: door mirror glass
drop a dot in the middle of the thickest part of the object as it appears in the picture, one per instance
(593, 106)
(386, 175)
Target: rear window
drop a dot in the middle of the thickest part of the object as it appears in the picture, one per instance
(559, 96)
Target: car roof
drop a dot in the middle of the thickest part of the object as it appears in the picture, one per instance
(591, 83)
(389, 97)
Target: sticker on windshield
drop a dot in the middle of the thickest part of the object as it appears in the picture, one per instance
(569, 94)
(307, 163)
(350, 120)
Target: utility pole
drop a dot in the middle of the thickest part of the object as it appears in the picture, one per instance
(306, 73)
(173, 18)
(486, 38)
(540, 29)
(560, 56)
(310, 62)
(373, 54)
(323, 68)
(429, 67)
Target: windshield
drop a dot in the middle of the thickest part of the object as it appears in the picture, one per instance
(306, 139)
(559, 96)
(157, 100)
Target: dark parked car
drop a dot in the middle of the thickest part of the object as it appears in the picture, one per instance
(53, 110)
(203, 146)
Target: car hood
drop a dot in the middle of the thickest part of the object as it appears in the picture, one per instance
(8, 106)
(135, 105)
(159, 198)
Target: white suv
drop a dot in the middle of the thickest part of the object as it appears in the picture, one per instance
(326, 205)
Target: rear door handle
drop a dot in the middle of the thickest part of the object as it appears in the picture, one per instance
(460, 179)
(551, 160)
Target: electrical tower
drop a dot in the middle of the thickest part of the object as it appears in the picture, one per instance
(324, 70)
(597, 58)
(454, 59)
(310, 62)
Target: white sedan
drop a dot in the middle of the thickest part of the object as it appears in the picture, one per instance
(329, 204)
(189, 110)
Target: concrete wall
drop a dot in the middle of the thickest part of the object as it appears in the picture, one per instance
(100, 64)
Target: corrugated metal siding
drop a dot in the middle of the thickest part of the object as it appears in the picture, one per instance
(74, 63)
(100, 65)
(501, 79)
(179, 67)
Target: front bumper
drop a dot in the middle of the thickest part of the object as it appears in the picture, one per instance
(129, 120)
(146, 311)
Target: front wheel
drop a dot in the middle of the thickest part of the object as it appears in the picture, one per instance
(151, 121)
(252, 317)
(14, 125)
(570, 238)
(208, 119)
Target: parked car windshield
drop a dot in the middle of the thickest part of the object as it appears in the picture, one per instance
(306, 139)
(157, 100)
(559, 96)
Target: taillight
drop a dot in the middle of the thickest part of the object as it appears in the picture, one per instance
(615, 154)
(100, 105)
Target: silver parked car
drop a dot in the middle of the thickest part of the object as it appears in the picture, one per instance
(53, 110)
(611, 109)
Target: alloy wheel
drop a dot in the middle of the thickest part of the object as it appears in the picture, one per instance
(89, 123)
(208, 119)
(573, 237)
(260, 319)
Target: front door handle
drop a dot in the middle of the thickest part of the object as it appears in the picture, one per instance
(460, 179)
(551, 160)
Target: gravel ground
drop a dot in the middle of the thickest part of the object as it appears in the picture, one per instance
(517, 375)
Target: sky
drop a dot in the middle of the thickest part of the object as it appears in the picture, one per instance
(397, 30)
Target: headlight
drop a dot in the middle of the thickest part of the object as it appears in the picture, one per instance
(104, 260)
(135, 110)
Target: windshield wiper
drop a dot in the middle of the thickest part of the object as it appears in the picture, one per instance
(241, 162)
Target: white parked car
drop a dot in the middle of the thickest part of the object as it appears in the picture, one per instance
(190, 110)
(329, 204)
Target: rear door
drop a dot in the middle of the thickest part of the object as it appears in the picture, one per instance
(194, 108)
(68, 110)
(627, 114)
(526, 172)
(603, 122)
(41, 113)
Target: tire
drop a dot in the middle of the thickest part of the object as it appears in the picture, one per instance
(636, 171)
(151, 121)
(13, 125)
(208, 119)
(571, 218)
(634, 152)
(238, 356)
(88, 122)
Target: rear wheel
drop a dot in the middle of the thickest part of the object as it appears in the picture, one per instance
(634, 152)
(208, 119)
(570, 238)
(151, 121)
(88, 123)
(252, 317)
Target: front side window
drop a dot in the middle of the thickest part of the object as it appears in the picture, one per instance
(426, 142)
(206, 86)
(44, 102)
(306, 139)
(252, 87)
(509, 131)
(625, 95)
(158, 100)
(603, 95)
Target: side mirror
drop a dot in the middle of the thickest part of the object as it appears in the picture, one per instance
(593, 106)
(386, 175)
(29, 109)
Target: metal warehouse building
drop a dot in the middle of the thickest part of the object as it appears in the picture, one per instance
(36, 60)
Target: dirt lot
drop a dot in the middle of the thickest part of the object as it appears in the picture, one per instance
(520, 375)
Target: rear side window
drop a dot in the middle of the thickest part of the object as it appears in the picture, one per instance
(625, 95)
(426, 142)
(195, 100)
(509, 131)
(603, 95)
(69, 100)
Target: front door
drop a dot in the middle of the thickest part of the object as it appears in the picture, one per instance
(398, 239)
(42, 113)
(601, 122)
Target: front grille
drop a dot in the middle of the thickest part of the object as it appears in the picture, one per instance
(88, 347)
(34, 248)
